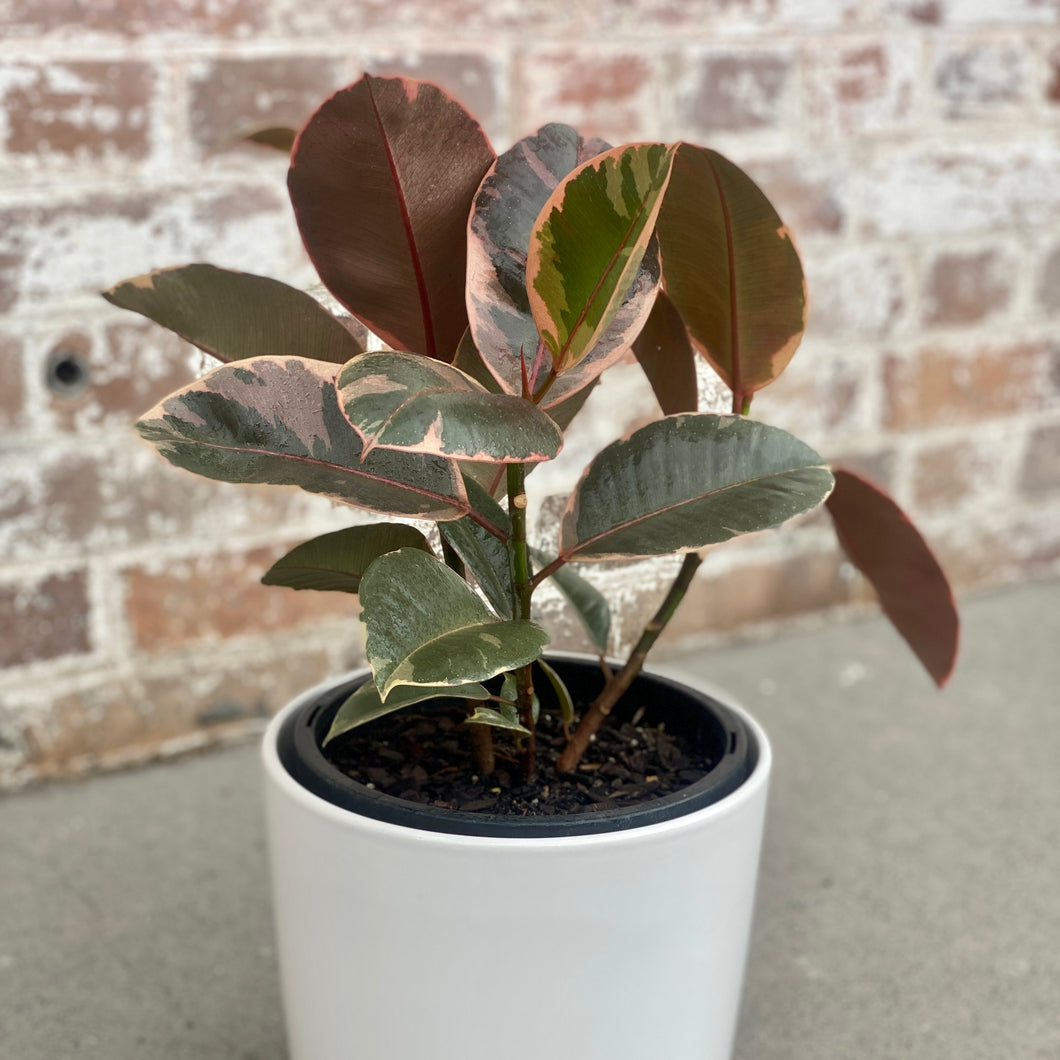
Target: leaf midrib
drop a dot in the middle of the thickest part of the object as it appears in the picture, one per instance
(582, 545)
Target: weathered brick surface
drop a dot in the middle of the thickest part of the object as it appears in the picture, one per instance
(910, 145)
(1040, 473)
(739, 91)
(965, 287)
(941, 386)
(982, 78)
(228, 96)
(868, 87)
(126, 18)
(44, 618)
(209, 598)
(608, 94)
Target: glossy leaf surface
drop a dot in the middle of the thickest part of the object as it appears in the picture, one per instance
(365, 704)
(498, 718)
(427, 626)
(277, 420)
(687, 481)
(563, 696)
(913, 591)
(234, 316)
(731, 269)
(588, 603)
(382, 180)
(336, 561)
(485, 556)
(665, 352)
(576, 284)
(408, 402)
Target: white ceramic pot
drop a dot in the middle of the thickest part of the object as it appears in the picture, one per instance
(400, 943)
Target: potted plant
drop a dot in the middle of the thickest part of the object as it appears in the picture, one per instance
(478, 849)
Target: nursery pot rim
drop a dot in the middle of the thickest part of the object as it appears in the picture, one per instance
(516, 833)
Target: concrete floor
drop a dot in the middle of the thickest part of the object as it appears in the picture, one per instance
(909, 904)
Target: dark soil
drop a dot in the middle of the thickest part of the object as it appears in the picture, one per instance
(427, 758)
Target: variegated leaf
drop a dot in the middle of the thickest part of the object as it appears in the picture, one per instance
(336, 561)
(687, 481)
(382, 180)
(426, 626)
(498, 718)
(408, 402)
(234, 316)
(277, 420)
(485, 556)
(576, 285)
(365, 704)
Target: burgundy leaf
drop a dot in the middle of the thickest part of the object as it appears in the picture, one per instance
(382, 180)
(885, 546)
(665, 352)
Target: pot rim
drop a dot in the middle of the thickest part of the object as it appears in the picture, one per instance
(747, 790)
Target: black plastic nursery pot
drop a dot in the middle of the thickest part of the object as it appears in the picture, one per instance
(707, 724)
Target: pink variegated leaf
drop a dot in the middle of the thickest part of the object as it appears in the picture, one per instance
(410, 403)
(278, 420)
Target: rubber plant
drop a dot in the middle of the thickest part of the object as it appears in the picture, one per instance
(503, 287)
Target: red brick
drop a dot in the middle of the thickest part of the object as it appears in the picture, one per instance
(230, 95)
(11, 387)
(863, 88)
(86, 110)
(965, 288)
(128, 18)
(129, 719)
(1041, 461)
(1049, 283)
(980, 78)
(469, 78)
(815, 400)
(877, 466)
(762, 592)
(948, 475)
(738, 92)
(209, 598)
(599, 93)
(940, 386)
(45, 618)
(971, 12)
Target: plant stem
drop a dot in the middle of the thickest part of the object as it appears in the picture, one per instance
(523, 592)
(604, 703)
(481, 735)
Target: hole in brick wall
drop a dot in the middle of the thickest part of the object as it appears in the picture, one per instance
(68, 373)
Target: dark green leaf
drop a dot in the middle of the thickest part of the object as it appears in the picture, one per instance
(365, 704)
(563, 696)
(688, 481)
(666, 355)
(382, 181)
(499, 719)
(427, 626)
(235, 316)
(339, 559)
(588, 602)
(484, 555)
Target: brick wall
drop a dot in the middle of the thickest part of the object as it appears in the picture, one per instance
(912, 145)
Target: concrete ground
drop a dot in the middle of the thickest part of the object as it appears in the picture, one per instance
(909, 904)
